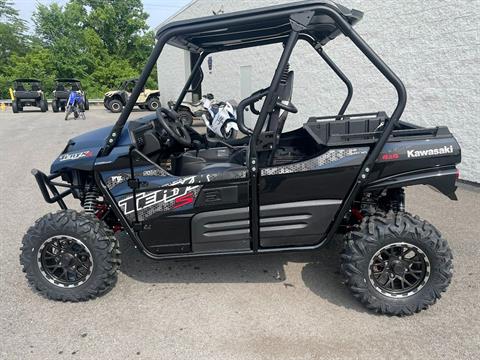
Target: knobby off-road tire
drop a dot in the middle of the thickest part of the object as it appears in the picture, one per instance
(94, 243)
(15, 107)
(384, 234)
(43, 105)
(115, 106)
(153, 103)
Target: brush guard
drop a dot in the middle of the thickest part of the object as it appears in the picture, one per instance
(46, 184)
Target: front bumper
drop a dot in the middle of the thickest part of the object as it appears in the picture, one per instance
(46, 184)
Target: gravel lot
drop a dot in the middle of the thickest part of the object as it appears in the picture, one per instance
(270, 307)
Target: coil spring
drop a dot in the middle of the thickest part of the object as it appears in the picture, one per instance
(91, 201)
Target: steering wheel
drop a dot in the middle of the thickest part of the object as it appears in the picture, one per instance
(173, 126)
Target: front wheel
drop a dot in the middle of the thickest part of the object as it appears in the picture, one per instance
(70, 256)
(68, 111)
(397, 264)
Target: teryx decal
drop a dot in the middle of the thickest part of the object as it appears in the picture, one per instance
(181, 193)
(75, 156)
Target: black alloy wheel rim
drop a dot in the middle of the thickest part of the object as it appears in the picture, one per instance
(399, 270)
(65, 261)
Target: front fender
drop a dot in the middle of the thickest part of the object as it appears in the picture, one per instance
(231, 124)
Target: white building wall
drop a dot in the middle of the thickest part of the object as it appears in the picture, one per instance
(433, 46)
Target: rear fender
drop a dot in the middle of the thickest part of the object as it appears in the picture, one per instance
(442, 179)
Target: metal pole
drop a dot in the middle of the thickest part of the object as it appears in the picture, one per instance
(341, 75)
(190, 79)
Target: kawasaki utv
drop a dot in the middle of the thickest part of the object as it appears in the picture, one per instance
(63, 88)
(179, 195)
(115, 100)
(28, 92)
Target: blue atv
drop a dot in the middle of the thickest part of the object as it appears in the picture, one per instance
(75, 104)
(63, 88)
(180, 194)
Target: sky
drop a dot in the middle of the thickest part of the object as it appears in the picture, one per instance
(159, 10)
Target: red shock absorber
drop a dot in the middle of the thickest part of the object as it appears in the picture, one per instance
(101, 210)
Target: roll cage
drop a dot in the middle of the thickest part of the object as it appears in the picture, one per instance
(18, 84)
(317, 22)
(125, 83)
(69, 81)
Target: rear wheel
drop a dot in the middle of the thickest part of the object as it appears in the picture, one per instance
(153, 103)
(115, 106)
(43, 105)
(70, 256)
(87, 104)
(15, 106)
(397, 264)
(185, 117)
(55, 106)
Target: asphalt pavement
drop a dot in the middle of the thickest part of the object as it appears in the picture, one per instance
(255, 307)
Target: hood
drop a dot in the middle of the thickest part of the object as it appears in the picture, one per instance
(112, 92)
(81, 151)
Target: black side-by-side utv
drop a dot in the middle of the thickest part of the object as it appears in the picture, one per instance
(28, 92)
(178, 194)
(63, 87)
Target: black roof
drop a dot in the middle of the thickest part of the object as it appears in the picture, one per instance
(70, 80)
(26, 80)
(256, 27)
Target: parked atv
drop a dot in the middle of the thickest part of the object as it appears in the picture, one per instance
(178, 195)
(75, 104)
(28, 92)
(63, 87)
(189, 110)
(115, 100)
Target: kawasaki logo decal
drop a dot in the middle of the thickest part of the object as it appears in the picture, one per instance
(75, 156)
(430, 152)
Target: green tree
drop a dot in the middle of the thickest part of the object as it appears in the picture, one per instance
(12, 31)
(99, 42)
(122, 26)
(12, 41)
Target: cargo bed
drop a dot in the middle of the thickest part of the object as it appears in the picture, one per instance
(364, 129)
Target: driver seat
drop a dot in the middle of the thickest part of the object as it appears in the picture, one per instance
(208, 161)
